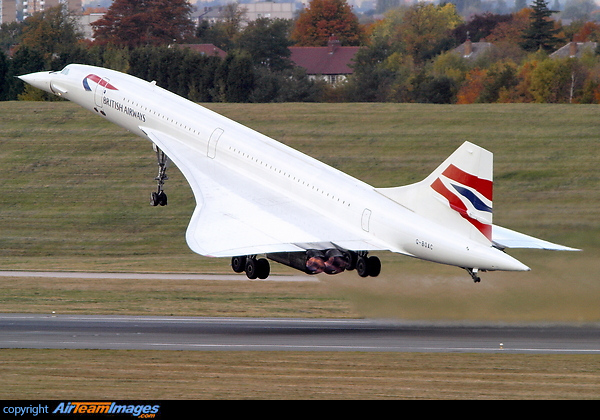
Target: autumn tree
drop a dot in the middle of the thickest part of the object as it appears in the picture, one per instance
(135, 23)
(472, 87)
(589, 31)
(10, 34)
(553, 81)
(478, 27)
(425, 29)
(512, 30)
(52, 33)
(323, 18)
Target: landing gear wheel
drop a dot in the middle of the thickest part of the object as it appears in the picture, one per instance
(251, 269)
(366, 267)
(263, 268)
(361, 267)
(238, 264)
(257, 268)
(374, 266)
(158, 198)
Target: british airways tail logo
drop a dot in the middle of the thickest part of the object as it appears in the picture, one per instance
(98, 80)
(469, 195)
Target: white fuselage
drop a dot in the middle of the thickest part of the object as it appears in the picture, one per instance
(136, 103)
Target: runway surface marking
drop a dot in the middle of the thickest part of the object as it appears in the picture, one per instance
(275, 334)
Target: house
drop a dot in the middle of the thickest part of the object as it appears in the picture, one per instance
(204, 49)
(331, 63)
(269, 9)
(472, 50)
(89, 16)
(575, 49)
(251, 12)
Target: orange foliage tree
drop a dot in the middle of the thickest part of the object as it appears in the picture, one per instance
(472, 87)
(324, 18)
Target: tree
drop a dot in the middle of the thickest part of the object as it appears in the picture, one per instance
(478, 27)
(552, 81)
(4, 77)
(135, 23)
(323, 18)
(24, 60)
(470, 90)
(500, 77)
(541, 33)
(52, 33)
(590, 31)
(512, 30)
(10, 34)
(266, 41)
(233, 16)
(425, 29)
(371, 79)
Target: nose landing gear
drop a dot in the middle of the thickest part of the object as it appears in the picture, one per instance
(473, 273)
(158, 197)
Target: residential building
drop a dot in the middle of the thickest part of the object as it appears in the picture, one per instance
(252, 11)
(89, 16)
(331, 63)
(33, 6)
(575, 49)
(204, 49)
(269, 9)
(471, 50)
(8, 11)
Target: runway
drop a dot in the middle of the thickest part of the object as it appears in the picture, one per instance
(51, 331)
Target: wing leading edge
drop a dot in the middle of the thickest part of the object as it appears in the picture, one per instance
(236, 216)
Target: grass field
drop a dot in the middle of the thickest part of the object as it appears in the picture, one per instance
(75, 197)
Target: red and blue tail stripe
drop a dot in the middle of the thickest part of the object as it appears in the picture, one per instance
(466, 200)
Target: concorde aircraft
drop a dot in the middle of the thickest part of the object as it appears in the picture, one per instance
(258, 197)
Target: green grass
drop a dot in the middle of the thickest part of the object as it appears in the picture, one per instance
(77, 189)
(75, 197)
(92, 375)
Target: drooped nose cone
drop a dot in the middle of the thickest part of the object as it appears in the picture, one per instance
(40, 80)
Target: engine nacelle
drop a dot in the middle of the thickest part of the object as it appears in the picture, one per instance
(314, 261)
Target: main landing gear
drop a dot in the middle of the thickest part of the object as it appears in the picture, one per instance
(158, 197)
(368, 266)
(330, 261)
(254, 268)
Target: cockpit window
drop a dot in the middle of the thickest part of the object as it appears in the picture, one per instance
(65, 71)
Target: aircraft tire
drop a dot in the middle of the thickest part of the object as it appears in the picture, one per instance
(238, 264)
(362, 267)
(263, 268)
(370, 266)
(250, 269)
(162, 198)
(154, 199)
(374, 265)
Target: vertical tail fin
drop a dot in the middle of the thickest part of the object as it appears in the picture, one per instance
(458, 194)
